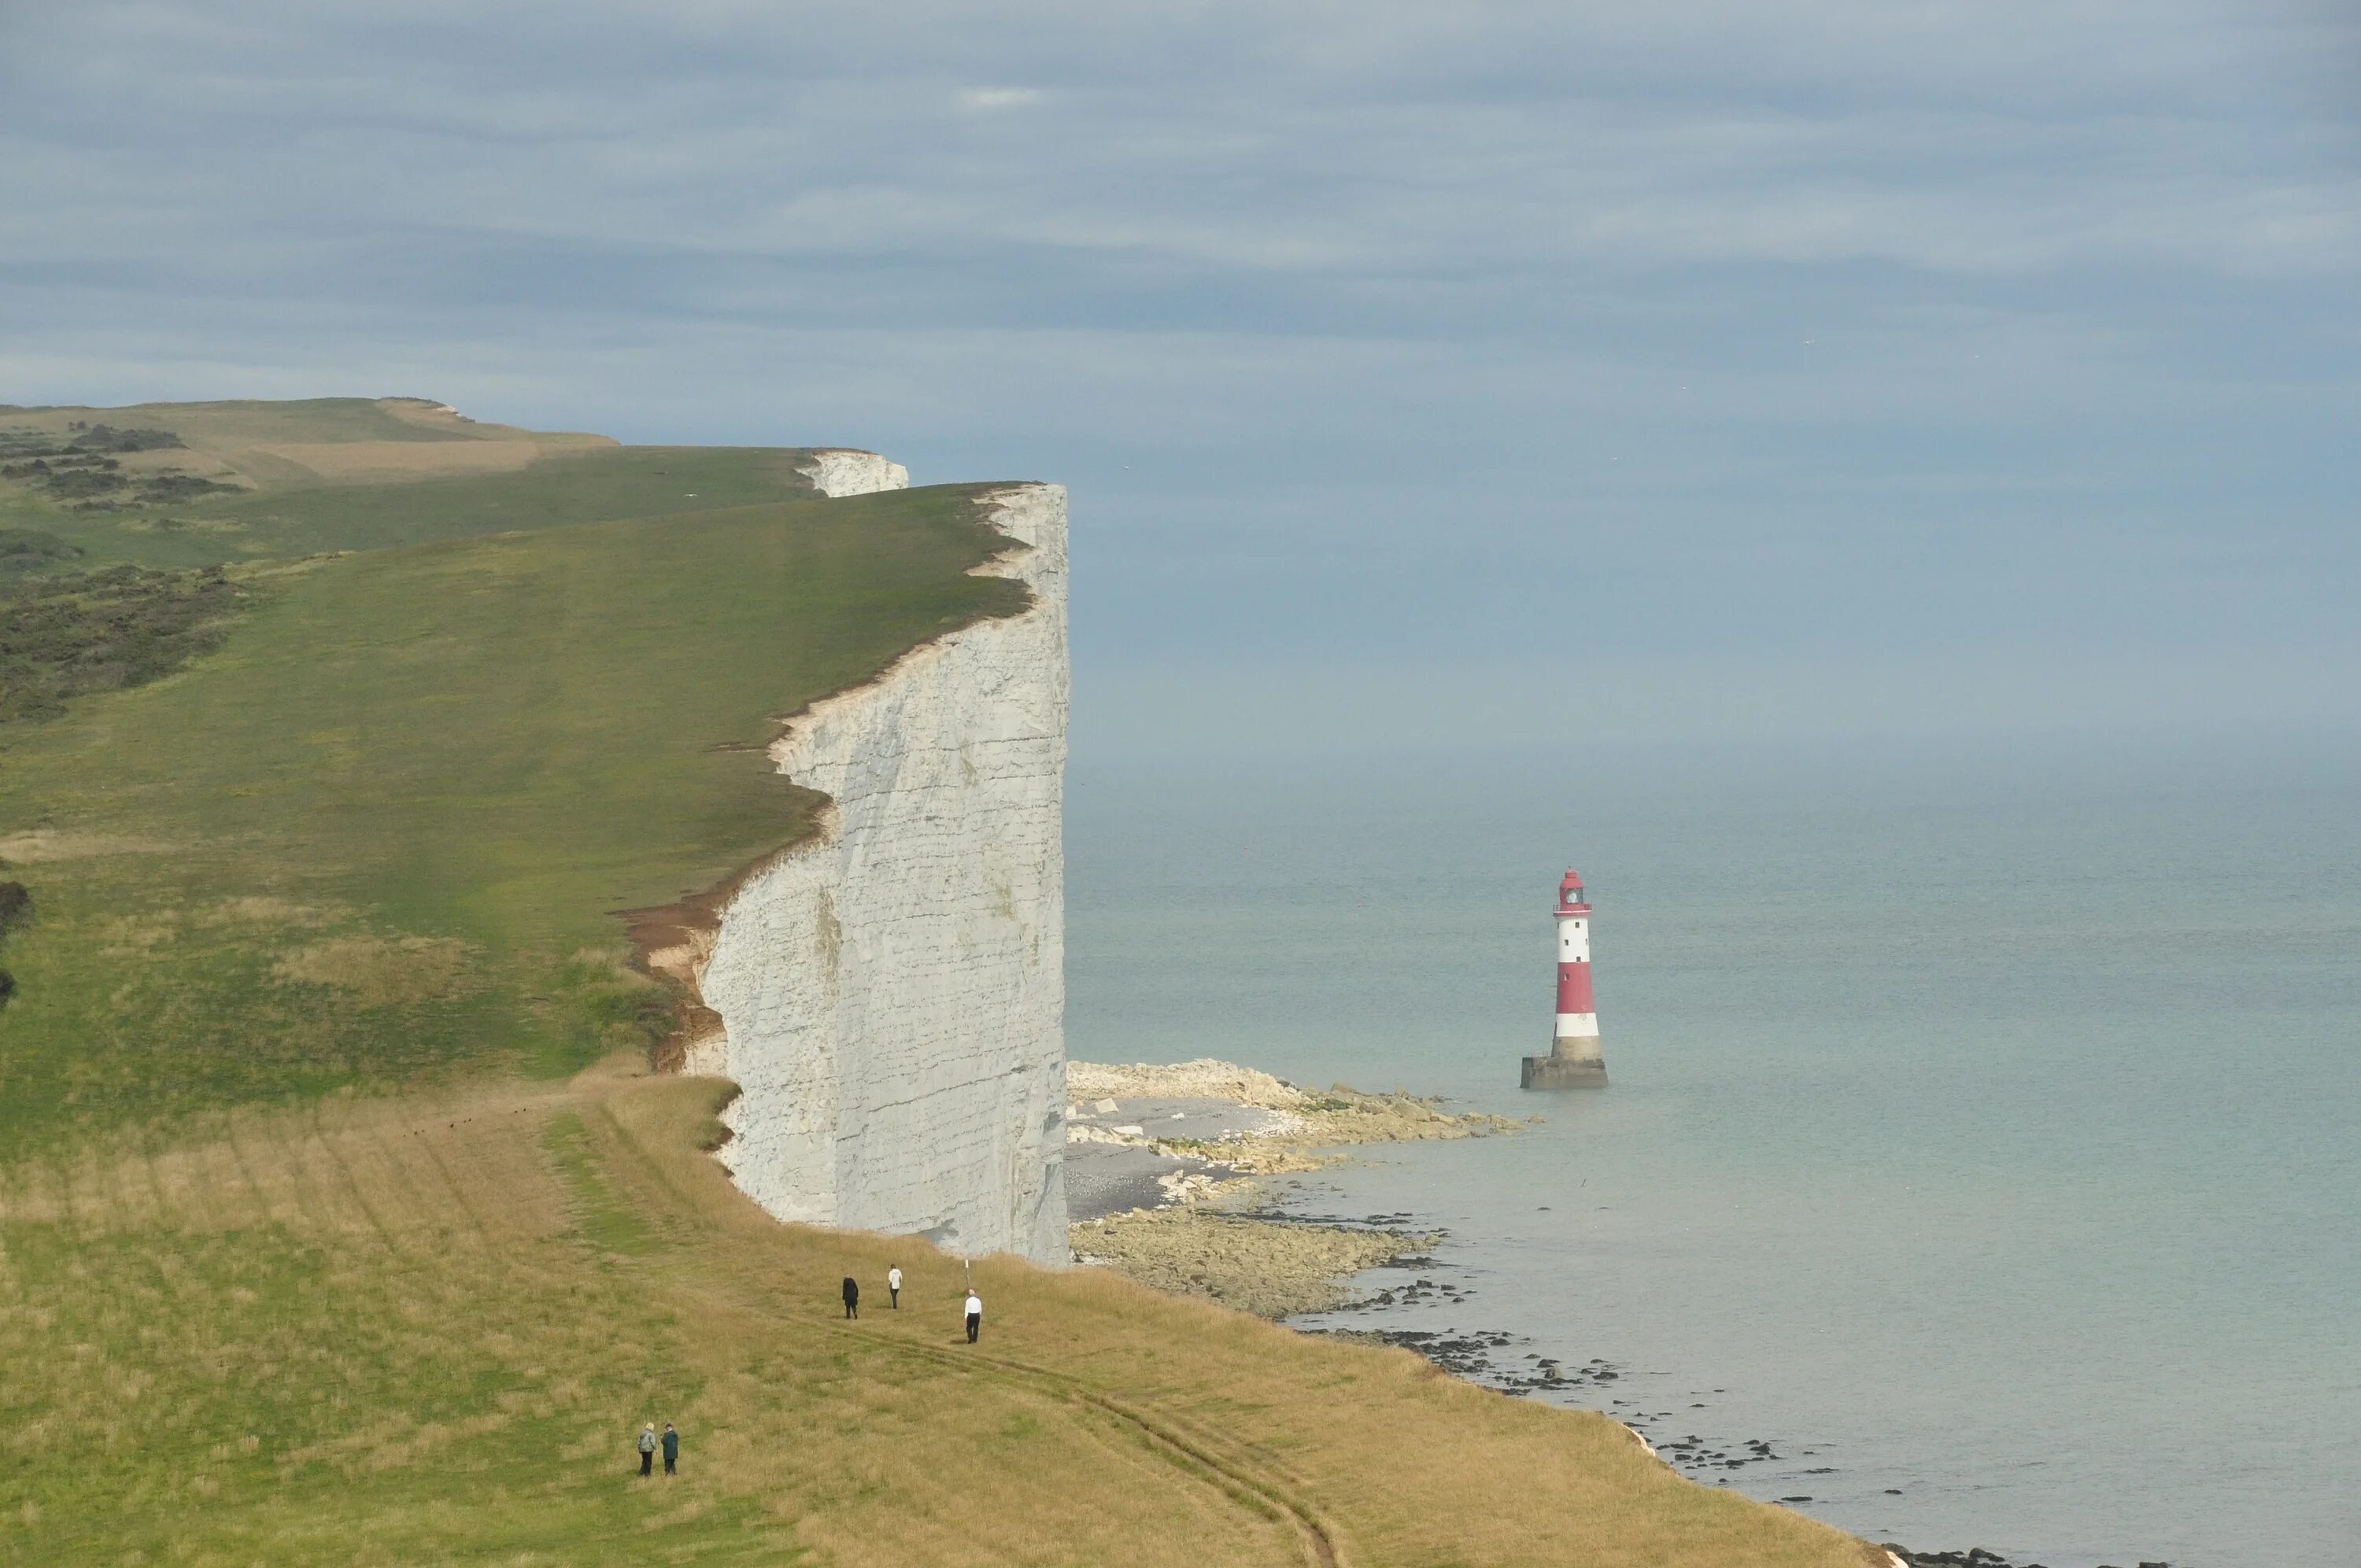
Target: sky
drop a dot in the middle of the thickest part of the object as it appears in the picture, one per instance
(1424, 375)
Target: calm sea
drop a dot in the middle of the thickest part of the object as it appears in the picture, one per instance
(1983, 1127)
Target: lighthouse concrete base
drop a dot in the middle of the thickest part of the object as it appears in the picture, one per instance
(1555, 1071)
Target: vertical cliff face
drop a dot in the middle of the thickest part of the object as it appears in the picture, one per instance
(891, 995)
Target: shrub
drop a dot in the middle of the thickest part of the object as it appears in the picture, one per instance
(179, 486)
(106, 438)
(29, 549)
(63, 637)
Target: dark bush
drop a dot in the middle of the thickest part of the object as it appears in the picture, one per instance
(63, 637)
(29, 549)
(16, 909)
(82, 474)
(74, 484)
(22, 443)
(182, 487)
(106, 438)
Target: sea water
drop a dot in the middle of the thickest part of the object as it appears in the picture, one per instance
(1981, 1131)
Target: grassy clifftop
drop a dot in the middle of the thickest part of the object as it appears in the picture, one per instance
(339, 1218)
(192, 484)
(383, 828)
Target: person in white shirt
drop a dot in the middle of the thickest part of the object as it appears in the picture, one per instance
(894, 1287)
(974, 1316)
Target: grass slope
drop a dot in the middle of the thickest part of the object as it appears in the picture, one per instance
(592, 486)
(238, 423)
(337, 1222)
(287, 465)
(425, 1330)
(384, 830)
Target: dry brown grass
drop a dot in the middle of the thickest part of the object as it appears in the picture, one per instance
(392, 461)
(444, 419)
(334, 442)
(42, 845)
(390, 1331)
(377, 971)
(243, 423)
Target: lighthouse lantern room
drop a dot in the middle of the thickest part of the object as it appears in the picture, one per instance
(1574, 1060)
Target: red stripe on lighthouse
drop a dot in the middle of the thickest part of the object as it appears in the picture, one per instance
(1574, 989)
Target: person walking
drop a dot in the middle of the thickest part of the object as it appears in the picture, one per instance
(672, 1449)
(894, 1287)
(648, 1449)
(852, 1297)
(974, 1315)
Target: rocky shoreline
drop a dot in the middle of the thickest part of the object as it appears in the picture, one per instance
(1164, 1174)
(1169, 1171)
(1487, 1359)
(1974, 1557)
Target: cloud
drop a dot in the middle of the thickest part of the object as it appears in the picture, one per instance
(1395, 136)
(999, 97)
(1703, 305)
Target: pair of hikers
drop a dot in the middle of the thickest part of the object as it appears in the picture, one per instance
(892, 1290)
(973, 1311)
(649, 1443)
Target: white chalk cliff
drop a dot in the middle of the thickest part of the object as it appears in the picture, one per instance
(891, 994)
(845, 471)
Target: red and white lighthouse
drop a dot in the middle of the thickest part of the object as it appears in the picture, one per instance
(1574, 1060)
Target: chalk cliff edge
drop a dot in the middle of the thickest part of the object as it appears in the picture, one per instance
(889, 996)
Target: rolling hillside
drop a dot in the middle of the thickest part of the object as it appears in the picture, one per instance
(340, 1217)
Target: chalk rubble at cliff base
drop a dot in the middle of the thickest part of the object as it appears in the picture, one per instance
(1271, 1269)
(1160, 1160)
(1248, 1122)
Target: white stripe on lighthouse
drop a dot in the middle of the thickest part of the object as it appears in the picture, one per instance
(1574, 1060)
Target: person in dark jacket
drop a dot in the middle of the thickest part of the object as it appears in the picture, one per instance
(670, 1450)
(852, 1297)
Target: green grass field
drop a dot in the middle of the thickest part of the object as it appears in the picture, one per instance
(386, 828)
(340, 1218)
(283, 510)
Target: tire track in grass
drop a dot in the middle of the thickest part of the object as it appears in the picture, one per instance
(1315, 1539)
(456, 1192)
(289, 1147)
(1196, 1454)
(1235, 1477)
(277, 1205)
(601, 1217)
(360, 1201)
(166, 1211)
(1317, 1535)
